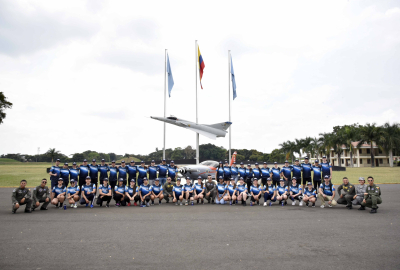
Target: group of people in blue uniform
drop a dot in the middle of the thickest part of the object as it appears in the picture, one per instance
(142, 186)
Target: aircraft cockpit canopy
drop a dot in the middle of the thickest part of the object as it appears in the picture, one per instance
(172, 118)
(210, 163)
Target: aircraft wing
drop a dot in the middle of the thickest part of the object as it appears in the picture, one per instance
(204, 133)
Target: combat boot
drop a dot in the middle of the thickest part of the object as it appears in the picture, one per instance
(373, 211)
(361, 208)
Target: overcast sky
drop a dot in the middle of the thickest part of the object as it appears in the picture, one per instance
(87, 75)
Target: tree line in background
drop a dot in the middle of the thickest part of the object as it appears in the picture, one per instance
(385, 137)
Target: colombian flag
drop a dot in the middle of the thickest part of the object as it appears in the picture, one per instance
(201, 65)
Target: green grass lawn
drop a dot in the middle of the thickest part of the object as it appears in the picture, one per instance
(11, 172)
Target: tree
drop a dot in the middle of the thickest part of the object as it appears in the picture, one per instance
(370, 134)
(112, 156)
(315, 145)
(298, 147)
(189, 152)
(287, 149)
(78, 157)
(390, 139)
(326, 143)
(4, 104)
(350, 134)
(306, 146)
(52, 152)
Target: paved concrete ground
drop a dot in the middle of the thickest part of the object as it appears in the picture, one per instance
(202, 237)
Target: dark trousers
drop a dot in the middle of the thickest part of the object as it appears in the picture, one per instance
(264, 181)
(90, 198)
(117, 198)
(306, 180)
(249, 184)
(127, 200)
(317, 183)
(28, 202)
(147, 199)
(66, 182)
(268, 196)
(167, 195)
(41, 200)
(94, 181)
(53, 182)
(102, 199)
(275, 182)
(347, 199)
(139, 182)
(82, 180)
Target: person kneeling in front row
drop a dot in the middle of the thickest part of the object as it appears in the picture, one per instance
(241, 190)
(21, 196)
(282, 192)
(73, 194)
(132, 193)
(310, 195)
(58, 194)
(327, 192)
(269, 193)
(177, 192)
(156, 192)
(372, 197)
(41, 194)
(104, 193)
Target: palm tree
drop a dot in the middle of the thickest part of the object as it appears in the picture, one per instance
(315, 146)
(350, 135)
(306, 145)
(288, 148)
(390, 139)
(52, 152)
(337, 141)
(326, 143)
(298, 147)
(370, 134)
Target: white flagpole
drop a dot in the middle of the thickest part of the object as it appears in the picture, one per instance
(229, 95)
(165, 97)
(197, 119)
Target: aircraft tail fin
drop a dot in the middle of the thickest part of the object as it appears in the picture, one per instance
(222, 126)
(233, 158)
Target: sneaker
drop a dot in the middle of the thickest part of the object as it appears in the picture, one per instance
(75, 206)
(135, 204)
(285, 202)
(329, 205)
(148, 204)
(176, 203)
(350, 207)
(152, 203)
(186, 203)
(209, 201)
(29, 211)
(117, 204)
(270, 203)
(301, 203)
(202, 201)
(129, 204)
(13, 211)
(142, 205)
(313, 205)
(91, 206)
(230, 203)
(159, 202)
(181, 203)
(87, 205)
(265, 204)
(307, 204)
(322, 206)
(72, 205)
(361, 208)
(107, 205)
(244, 204)
(212, 202)
(294, 203)
(41, 208)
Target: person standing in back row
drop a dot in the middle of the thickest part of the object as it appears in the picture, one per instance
(265, 173)
(326, 168)
(286, 173)
(276, 174)
(113, 175)
(257, 171)
(172, 171)
(103, 169)
(64, 174)
(83, 173)
(142, 173)
(74, 172)
(316, 168)
(241, 171)
(132, 171)
(94, 172)
(249, 178)
(234, 172)
(122, 173)
(307, 168)
(227, 173)
(152, 172)
(297, 169)
(162, 171)
(55, 173)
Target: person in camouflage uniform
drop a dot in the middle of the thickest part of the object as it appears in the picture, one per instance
(41, 194)
(372, 197)
(21, 196)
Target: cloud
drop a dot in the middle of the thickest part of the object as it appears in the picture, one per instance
(25, 31)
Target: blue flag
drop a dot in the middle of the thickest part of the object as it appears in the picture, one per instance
(233, 81)
(170, 78)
